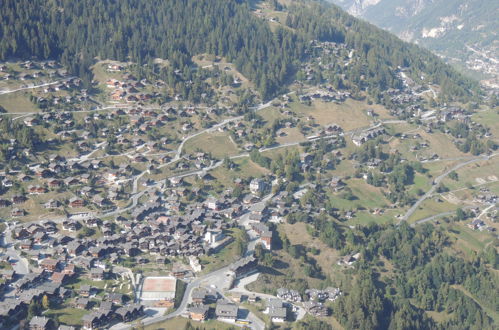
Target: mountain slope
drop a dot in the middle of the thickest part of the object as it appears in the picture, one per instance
(463, 31)
(78, 31)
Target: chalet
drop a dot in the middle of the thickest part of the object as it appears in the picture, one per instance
(130, 312)
(58, 277)
(249, 199)
(198, 313)
(17, 212)
(97, 274)
(265, 234)
(316, 308)
(203, 296)
(49, 264)
(85, 290)
(70, 225)
(76, 202)
(70, 181)
(7, 183)
(54, 183)
(40, 323)
(92, 222)
(257, 186)
(81, 303)
(289, 295)
(7, 275)
(116, 298)
(4, 203)
(213, 204)
(36, 190)
(94, 320)
(226, 311)
(213, 236)
(99, 200)
(18, 199)
(24, 177)
(26, 244)
(276, 310)
(175, 181)
(336, 183)
(114, 67)
(245, 266)
(69, 270)
(66, 327)
(476, 224)
(179, 271)
(51, 204)
(74, 248)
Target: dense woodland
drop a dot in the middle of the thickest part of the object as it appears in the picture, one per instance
(78, 31)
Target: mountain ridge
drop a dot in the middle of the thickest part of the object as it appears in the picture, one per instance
(464, 32)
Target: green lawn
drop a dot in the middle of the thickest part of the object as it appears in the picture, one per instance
(245, 168)
(367, 196)
(490, 119)
(349, 114)
(431, 207)
(218, 144)
(180, 323)
(68, 316)
(17, 102)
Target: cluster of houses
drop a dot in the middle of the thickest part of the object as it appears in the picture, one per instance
(328, 293)
(328, 94)
(129, 89)
(289, 295)
(367, 135)
(225, 310)
(49, 281)
(33, 70)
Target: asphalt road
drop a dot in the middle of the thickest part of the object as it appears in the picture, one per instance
(437, 182)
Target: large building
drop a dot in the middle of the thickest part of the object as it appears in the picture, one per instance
(158, 291)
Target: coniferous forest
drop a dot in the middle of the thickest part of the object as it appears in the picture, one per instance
(76, 32)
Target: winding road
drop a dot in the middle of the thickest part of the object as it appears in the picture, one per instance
(437, 181)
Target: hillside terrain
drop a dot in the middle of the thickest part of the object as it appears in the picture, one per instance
(210, 163)
(464, 32)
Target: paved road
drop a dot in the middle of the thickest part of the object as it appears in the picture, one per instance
(21, 264)
(2, 92)
(438, 180)
(437, 216)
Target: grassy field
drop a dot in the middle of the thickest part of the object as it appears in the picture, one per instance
(442, 145)
(474, 174)
(489, 118)
(367, 196)
(466, 241)
(297, 234)
(288, 271)
(180, 323)
(218, 144)
(431, 207)
(17, 102)
(349, 114)
(365, 217)
(245, 169)
(68, 316)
